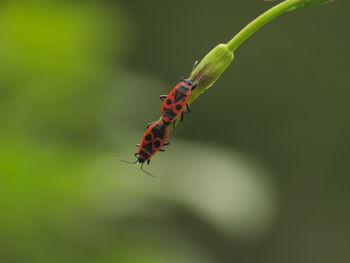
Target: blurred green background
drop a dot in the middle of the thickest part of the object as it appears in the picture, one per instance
(259, 172)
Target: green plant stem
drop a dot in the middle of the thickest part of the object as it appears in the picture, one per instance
(260, 21)
(220, 57)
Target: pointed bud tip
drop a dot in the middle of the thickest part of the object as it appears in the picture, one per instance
(210, 68)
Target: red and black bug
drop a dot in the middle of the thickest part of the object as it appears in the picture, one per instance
(156, 135)
(154, 138)
(175, 102)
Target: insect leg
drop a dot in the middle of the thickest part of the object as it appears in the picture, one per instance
(167, 143)
(146, 171)
(125, 161)
(182, 116)
(162, 97)
(137, 145)
(188, 108)
(149, 161)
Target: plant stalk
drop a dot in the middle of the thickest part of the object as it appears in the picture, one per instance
(260, 21)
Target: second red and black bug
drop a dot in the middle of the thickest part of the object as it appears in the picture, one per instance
(153, 140)
(175, 102)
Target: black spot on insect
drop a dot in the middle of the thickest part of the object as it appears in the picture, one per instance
(169, 101)
(148, 137)
(169, 113)
(178, 107)
(157, 143)
(179, 96)
(159, 131)
(148, 147)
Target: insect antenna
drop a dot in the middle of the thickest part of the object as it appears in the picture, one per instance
(194, 65)
(125, 161)
(143, 170)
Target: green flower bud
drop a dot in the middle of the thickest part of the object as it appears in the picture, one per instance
(209, 69)
(218, 59)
